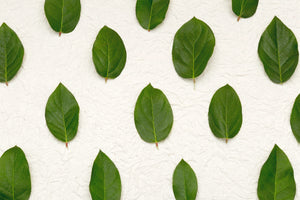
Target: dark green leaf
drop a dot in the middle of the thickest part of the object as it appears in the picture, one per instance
(15, 183)
(151, 13)
(193, 46)
(63, 15)
(153, 115)
(11, 53)
(276, 180)
(278, 51)
(109, 53)
(62, 114)
(225, 113)
(185, 185)
(244, 8)
(295, 118)
(105, 180)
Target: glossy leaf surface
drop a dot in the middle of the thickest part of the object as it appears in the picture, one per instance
(15, 182)
(185, 184)
(276, 180)
(295, 119)
(63, 15)
(109, 53)
(153, 115)
(244, 8)
(151, 13)
(225, 113)
(105, 181)
(278, 51)
(193, 46)
(11, 53)
(62, 114)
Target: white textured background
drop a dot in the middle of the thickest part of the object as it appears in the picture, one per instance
(225, 171)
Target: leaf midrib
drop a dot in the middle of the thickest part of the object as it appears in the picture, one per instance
(150, 17)
(275, 182)
(278, 53)
(153, 125)
(226, 117)
(63, 115)
(13, 179)
(5, 64)
(62, 15)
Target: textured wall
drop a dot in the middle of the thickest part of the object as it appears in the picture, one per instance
(225, 171)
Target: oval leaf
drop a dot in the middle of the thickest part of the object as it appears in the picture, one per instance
(225, 113)
(11, 53)
(62, 15)
(244, 8)
(278, 51)
(193, 46)
(109, 53)
(276, 180)
(151, 13)
(153, 115)
(185, 184)
(15, 181)
(105, 181)
(62, 114)
(295, 119)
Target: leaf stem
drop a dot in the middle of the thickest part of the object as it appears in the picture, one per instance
(106, 78)
(238, 19)
(156, 143)
(67, 145)
(226, 140)
(59, 33)
(6, 83)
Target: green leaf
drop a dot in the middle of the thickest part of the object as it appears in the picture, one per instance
(62, 114)
(225, 113)
(193, 46)
(185, 184)
(278, 51)
(63, 15)
(151, 13)
(105, 181)
(15, 183)
(11, 53)
(295, 118)
(109, 53)
(153, 115)
(244, 8)
(276, 180)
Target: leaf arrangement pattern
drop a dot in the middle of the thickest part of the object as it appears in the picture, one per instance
(278, 51)
(63, 15)
(276, 180)
(185, 184)
(193, 46)
(11, 53)
(153, 115)
(15, 179)
(225, 113)
(109, 53)
(105, 180)
(62, 114)
(244, 8)
(151, 13)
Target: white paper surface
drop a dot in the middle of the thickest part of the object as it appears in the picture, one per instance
(225, 171)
